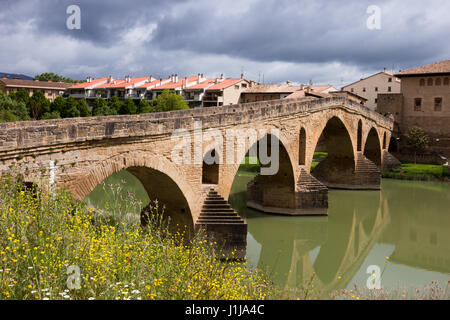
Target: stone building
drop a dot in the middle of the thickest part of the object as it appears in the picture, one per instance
(50, 89)
(424, 101)
(265, 92)
(370, 87)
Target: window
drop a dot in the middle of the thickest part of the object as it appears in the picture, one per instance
(438, 81)
(236, 86)
(437, 104)
(244, 85)
(376, 89)
(390, 80)
(376, 100)
(364, 89)
(422, 82)
(359, 137)
(446, 82)
(418, 104)
(430, 82)
(352, 90)
(389, 89)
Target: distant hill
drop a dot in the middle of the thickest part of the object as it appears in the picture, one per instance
(13, 75)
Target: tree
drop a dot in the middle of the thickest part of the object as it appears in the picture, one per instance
(144, 107)
(12, 110)
(50, 76)
(115, 104)
(417, 140)
(128, 107)
(71, 109)
(38, 105)
(168, 101)
(51, 115)
(83, 108)
(101, 108)
(21, 96)
(59, 104)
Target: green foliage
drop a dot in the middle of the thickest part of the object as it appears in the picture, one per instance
(101, 108)
(58, 105)
(51, 115)
(168, 101)
(21, 96)
(83, 108)
(42, 234)
(128, 107)
(11, 109)
(38, 105)
(417, 139)
(50, 76)
(417, 171)
(71, 109)
(115, 104)
(144, 107)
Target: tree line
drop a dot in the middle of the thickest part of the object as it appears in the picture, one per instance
(19, 106)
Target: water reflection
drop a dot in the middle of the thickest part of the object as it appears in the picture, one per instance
(407, 222)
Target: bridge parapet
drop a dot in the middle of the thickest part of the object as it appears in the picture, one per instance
(45, 133)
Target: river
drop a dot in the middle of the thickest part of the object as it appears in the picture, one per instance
(403, 230)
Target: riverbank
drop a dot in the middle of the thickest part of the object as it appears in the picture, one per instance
(419, 172)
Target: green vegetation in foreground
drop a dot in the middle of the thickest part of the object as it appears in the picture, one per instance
(421, 172)
(42, 234)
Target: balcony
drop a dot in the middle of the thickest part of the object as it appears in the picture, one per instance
(212, 98)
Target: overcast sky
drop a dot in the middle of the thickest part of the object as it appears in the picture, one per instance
(325, 41)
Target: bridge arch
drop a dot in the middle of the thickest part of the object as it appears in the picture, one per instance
(302, 147)
(160, 178)
(270, 193)
(372, 148)
(339, 166)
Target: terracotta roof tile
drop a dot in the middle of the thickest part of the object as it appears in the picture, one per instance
(174, 85)
(434, 68)
(35, 84)
(225, 84)
(88, 84)
(201, 85)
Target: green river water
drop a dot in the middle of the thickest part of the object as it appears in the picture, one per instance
(404, 229)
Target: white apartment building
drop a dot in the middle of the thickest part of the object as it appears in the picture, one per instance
(370, 87)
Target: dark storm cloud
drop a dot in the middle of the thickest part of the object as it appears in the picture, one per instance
(283, 37)
(306, 31)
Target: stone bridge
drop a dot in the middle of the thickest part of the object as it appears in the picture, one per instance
(80, 153)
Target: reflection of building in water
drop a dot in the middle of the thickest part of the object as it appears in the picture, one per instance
(326, 248)
(420, 233)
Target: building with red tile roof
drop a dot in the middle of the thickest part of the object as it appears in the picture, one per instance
(197, 90)
(50, 89)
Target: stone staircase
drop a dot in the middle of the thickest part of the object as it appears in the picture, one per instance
(390, 162)
(308, 183)
(223, 225)
(367, 173)
(217, 210)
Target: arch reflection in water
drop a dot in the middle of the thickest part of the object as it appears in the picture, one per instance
(363, 227)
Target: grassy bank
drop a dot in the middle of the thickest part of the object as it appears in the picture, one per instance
(43, 235)
(421, 172)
